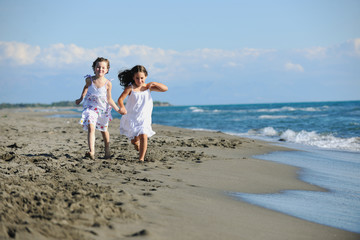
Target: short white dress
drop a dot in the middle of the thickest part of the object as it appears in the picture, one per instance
(137, 121)
(97, 110)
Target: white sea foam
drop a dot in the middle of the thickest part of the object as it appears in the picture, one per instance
(292, 109)
(326, 141)
(322, 140)
(274, 116)
(270, 110)
(196, 109)
(201, 110)
(269, 132)
(265, 132)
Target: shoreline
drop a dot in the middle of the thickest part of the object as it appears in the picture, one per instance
(49, 191)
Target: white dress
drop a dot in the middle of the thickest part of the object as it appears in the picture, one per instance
(137, 121)
(97, 110)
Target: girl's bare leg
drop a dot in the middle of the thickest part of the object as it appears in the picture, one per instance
(136, 142)
(91, 141)
(106, 137)
(143, 146)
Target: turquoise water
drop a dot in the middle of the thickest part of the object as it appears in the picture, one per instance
(327, 125)
(328, 133)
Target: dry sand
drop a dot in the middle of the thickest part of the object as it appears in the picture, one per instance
(49, 191)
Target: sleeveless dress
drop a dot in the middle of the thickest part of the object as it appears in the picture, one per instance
(137, 121)
(97, 110)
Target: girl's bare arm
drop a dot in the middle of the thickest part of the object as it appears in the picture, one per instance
(157, 87)
(84, 91)
(109, 98)
(121, 99)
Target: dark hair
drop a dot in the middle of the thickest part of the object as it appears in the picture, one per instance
(126, 76)
(101, 59)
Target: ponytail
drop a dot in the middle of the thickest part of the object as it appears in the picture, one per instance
(126, 76)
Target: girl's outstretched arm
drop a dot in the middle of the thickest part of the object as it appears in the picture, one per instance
(109, 98)
(121, 99)
(157, 87)
(84, 91)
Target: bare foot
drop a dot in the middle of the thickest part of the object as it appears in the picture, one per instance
(136, 144)
(90, 155)
(107, 154)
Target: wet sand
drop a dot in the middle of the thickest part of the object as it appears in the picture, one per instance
(50, 191)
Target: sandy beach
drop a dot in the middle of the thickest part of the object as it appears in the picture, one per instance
(50, 191)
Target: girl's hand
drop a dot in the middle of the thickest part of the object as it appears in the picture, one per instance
(78, 101)
(122, 111)
(149, 85)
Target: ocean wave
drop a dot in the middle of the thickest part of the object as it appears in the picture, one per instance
(292, 109)
(196, 109)
(266, 132)
(274, 116)
(201, 110)
(262, 110)
(326, 141)
(322, 140)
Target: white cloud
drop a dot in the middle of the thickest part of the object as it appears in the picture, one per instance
(18, 53)
(167, 63)
(357, 46)
(315, 52)
(256, 52)
(347, 48)
(60, 54)
(293, 67)
(350, 48)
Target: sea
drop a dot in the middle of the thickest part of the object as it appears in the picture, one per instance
(325, 135)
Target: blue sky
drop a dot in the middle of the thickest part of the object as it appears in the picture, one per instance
(207, 52)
